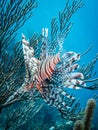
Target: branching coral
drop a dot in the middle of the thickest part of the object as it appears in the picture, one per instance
(13, 74)
(13, 14)
(24, 111)
(60, 28)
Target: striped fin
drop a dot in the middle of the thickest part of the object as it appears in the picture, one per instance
(65, 72)
(58, 98)
(31, 63)
(76, 75)
(70, 55)
(68, 63)
(74, 83)
(61, 75)
(69, 58)
(74, 56)
(72, 68)
(27, 50)
(73, 75)
(43, 54)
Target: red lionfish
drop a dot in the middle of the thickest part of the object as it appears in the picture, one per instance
(51, 74)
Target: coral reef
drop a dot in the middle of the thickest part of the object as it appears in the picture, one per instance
(25, 84)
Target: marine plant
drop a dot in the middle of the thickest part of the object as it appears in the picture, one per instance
(32, 73)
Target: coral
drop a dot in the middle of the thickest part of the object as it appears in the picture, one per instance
(78, 125)
(86, 122)
(89, 112)
(13, 15)
(24, 112)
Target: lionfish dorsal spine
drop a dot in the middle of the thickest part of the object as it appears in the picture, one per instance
(44, 51)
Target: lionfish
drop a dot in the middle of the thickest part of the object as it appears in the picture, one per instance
(52, 73)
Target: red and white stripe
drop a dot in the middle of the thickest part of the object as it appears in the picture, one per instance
(76, 75)
(73, 67)
(74, 83)
(46, 69)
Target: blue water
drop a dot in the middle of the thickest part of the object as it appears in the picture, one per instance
(85, 28)
(83, 33)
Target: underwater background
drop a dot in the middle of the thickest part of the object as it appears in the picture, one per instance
(82, 35)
